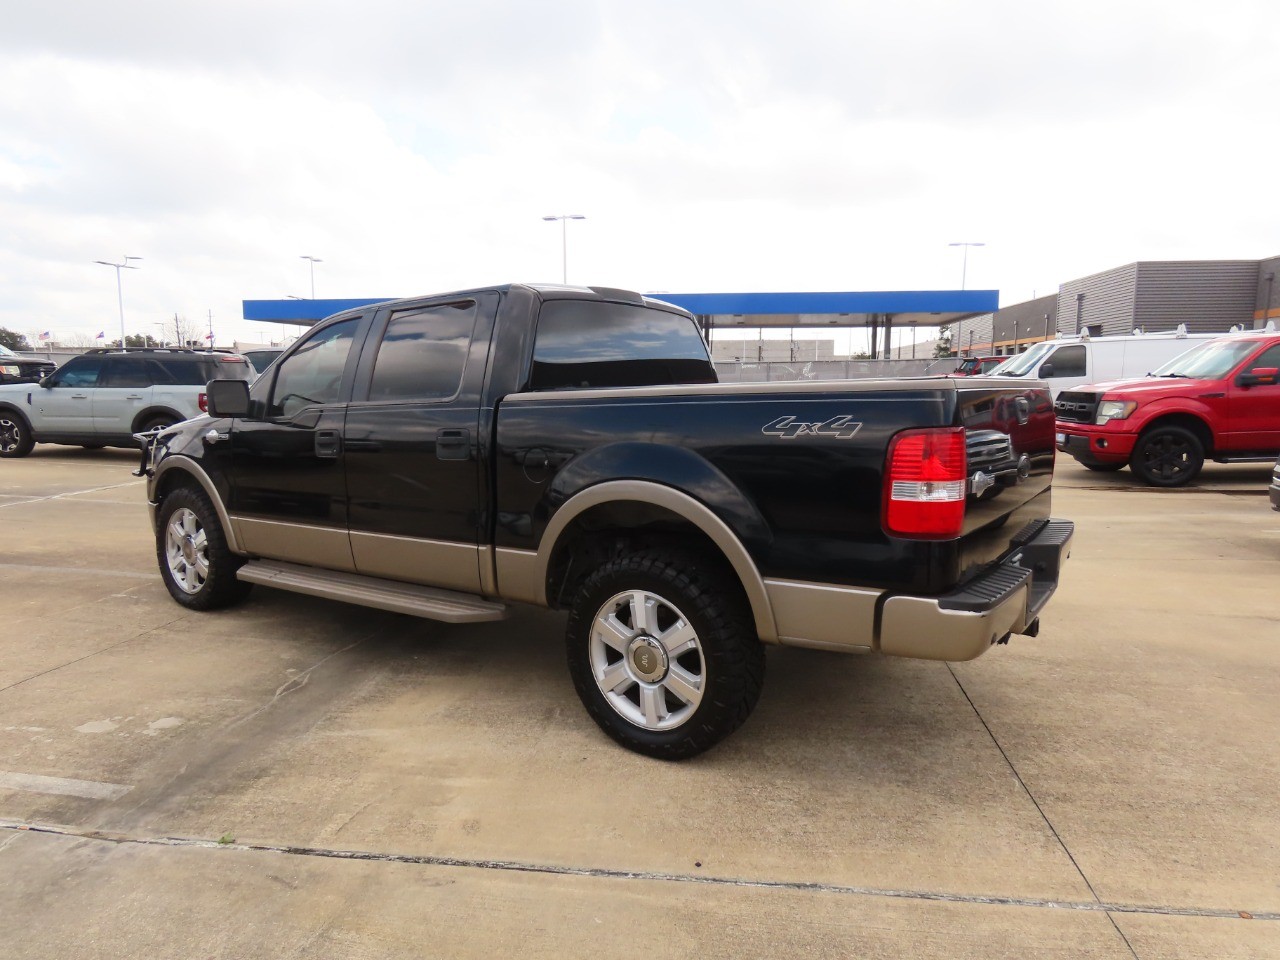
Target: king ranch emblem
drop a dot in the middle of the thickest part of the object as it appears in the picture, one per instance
(789, 428)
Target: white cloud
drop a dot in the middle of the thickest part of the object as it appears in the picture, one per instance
(714, 146)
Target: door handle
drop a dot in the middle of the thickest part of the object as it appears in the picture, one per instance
(453, 444)
(328, 444)
(79, 396)
(133, 396)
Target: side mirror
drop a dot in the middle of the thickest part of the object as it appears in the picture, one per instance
(1259, 377)
(1046, 370)
(47, 382)
(228, 398)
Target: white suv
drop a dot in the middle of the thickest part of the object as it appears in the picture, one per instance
(101, 399)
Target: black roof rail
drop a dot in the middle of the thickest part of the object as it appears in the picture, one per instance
(191, 350)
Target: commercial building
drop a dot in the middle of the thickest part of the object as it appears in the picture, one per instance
(1207, 296)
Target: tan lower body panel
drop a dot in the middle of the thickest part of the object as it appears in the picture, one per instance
(298, 542)
(438, 563)
(519, 575)
(823, 616)
(918, 627)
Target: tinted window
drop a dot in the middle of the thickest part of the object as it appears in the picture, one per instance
(79, 372)
(175, 371)
(313, 373)
(1267, 358)
(220, 368)
(125, 372)
(1068, 361)
(423, 353)
(585, 343)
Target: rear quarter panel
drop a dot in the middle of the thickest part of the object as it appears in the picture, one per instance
(806, 505)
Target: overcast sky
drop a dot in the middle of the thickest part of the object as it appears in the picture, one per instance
(713, 146)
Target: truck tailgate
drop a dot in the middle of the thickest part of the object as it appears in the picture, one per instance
(1009, 439)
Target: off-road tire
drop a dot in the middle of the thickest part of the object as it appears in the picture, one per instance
(15, 435)
(1168, 456)
(730, 655)
(191, 509)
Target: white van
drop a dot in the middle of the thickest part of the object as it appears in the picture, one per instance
(1070, 361)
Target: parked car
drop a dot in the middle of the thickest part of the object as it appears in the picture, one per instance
(103, 397)
(1068, 362)
(1219, 401)
(15, 368)
(261, 359)
(976, 366)
(569, 447)
(1275, 485)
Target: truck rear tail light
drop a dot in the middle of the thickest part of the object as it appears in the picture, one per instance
(924, 484)
(204, 403)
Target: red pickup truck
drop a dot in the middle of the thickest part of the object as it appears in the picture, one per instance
(1218, 401)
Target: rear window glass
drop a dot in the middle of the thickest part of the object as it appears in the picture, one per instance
(588, 343)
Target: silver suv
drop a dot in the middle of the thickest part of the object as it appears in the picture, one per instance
(101, 399)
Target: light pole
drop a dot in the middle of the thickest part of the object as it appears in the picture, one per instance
(124, 264)
(163, 339)
(314, 261)
(564, 239)
(964, 267)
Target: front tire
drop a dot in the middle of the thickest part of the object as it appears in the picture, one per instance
(15, 435)
(197, 566)
(1167, 456)
(663, 653)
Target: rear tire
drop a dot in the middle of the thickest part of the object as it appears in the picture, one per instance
(197, 566)
(162, 420)
(15, 435)
(1167, 456)
(663, 653)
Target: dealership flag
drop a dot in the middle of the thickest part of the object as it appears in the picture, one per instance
(101, 334)
(44, 336)
(209, 335)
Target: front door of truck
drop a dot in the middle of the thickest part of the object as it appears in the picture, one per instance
(289, 492)
(1254, 422)
(413, 452)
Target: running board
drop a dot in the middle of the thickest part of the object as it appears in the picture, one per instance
(429, 602)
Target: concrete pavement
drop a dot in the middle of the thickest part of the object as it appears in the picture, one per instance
(1105, 790)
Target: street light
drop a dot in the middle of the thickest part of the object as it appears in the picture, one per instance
(564, 238)
(964, 268)
(124, 264)
(314, 261)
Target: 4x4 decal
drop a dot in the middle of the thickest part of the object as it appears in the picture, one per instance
(789, 428)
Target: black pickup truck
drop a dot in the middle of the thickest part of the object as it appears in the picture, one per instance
(570, 447)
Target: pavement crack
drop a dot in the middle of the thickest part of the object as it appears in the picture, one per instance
(603, 873)
(88, 656)
(1040, 810)
(294, 683)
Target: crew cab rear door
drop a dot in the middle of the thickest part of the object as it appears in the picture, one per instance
(412, 444)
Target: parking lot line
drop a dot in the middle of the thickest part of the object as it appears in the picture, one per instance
(72, 493)
(62, 787)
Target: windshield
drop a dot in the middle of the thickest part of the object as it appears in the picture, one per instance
(6, 352)
(1209, 361)
(1023, 363)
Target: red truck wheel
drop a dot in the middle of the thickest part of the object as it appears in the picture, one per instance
(1167, 456)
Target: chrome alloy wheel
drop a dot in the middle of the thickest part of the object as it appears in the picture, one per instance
(647, 660)
(185, 547)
